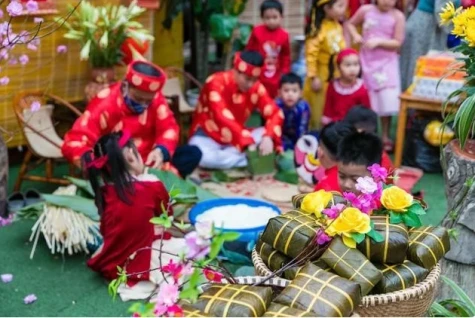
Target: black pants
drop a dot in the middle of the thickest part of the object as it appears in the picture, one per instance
(186, 159)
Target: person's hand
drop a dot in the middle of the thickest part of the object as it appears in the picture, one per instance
(316, 84)
(266, 147)
(155, 159)
(372, 43)
(357, 38)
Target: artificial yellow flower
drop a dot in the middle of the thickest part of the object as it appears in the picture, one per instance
(351, 220)
(316, 202)
(448, 13)
(470, 35)
(396, 199)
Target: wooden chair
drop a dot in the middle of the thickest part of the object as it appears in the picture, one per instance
(173, 91)
(42, 140)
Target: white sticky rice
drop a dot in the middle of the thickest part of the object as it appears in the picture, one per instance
(239, 216)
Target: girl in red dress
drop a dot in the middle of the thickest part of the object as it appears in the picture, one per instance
(347, 91)
(127, 198)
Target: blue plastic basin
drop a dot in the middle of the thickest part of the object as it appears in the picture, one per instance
(247, 235)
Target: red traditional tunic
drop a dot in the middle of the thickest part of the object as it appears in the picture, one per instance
(330, 181)
(107, 113)
(126, 228)
(223, 110)
(274, 46)
(340, 99)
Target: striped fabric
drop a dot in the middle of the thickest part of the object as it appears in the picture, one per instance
(323, 293)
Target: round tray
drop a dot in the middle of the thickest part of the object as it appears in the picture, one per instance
(410, 302)
(247, 235)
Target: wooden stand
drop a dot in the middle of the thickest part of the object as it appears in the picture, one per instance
(459, 167)
(409, 102)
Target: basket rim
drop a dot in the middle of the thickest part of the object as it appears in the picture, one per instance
(417, 290)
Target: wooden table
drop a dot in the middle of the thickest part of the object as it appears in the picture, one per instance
(417, 103)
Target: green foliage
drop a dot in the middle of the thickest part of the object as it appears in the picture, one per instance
(163, 220)
(82, 184)
(222, 26)
(101, 30)
(358, 237)
(75, 203)
(461, 307)
(236, 258)
(115, 284)
(464, 118)
(411, 219)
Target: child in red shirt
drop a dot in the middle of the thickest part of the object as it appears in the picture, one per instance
(346, 91)
(329, 138)
(127, 198)
(272, 42)
(357, 152)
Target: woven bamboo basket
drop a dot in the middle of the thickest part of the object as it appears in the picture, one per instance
(410, 302)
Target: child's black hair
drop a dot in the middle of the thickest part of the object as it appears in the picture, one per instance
(252, 57)
(317, 14)
(291, 78)
(362, 118)
(115, 171)
(360, 148)
(332, 134)
(271, 4)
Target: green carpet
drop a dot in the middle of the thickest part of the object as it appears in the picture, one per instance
(63, 287)
(68, 288)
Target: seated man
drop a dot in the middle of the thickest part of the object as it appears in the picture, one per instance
(225, 103)
(135, 104)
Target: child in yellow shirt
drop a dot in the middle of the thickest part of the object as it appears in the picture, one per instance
(324, 41)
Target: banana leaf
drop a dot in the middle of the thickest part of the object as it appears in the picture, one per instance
(427, 245)
(32, 211)
(82, 185)
(234, 300)
(259, 165)
(323, 293)
(352, 264)
(278, 310)
(398, 277)
(75, 203)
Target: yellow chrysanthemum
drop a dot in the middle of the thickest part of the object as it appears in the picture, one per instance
(470, 36)
(448, 13)
(460, 23)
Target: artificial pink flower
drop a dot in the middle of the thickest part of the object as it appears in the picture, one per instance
(379, 173)
(213, 276)
(351, 198)
(168, 294)
(322, 237)
(38, 20)
(4, 54)
(334, 211)
(31, 6)
(35, 106)
(6, 278)
(177, 270)
(160, 310)
(1, 14)
(31, 46)
(30, 299)
(366, 185)
(61, 49)
(4, 81)
(204, 229)
(13, 61)
(14, 8)
(198, 248)
(175, 311)
(23, 59)
(6, 221)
